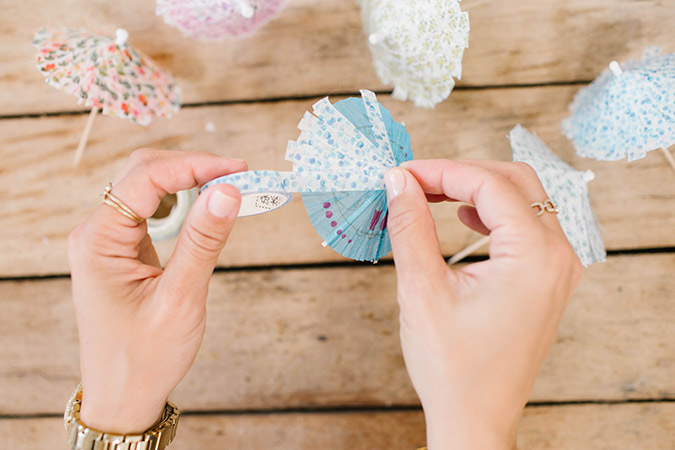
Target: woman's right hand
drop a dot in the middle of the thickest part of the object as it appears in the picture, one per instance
(474, 338)
(141, 325)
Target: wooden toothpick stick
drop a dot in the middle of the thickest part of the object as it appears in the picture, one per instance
(469, 250)
(85, 136)
(669, 157)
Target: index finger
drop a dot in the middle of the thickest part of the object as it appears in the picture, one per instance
(499, 203)
(151, 174)
(147, 178)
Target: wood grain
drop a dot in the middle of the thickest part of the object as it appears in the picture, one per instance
(526, 42)
(569, 427)
(44, 197)
(329, 337)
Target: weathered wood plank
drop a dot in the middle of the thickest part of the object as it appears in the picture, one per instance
(278, 339)
(44, 197)
(569, 427)
(318, 47)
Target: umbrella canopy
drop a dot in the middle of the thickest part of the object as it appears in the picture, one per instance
(339, 161)
(417, 46)
(214, 20)
(107, 73)
(566, 186)
(627, 111)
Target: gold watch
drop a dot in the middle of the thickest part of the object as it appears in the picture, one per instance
(81, 437)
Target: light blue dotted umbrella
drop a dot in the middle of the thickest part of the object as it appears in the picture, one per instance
(566, 186)
(627, 111)
(339, 161)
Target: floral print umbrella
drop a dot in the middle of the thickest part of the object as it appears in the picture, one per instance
(214, 20)
(627, 111)
(417, 46)
(106, 74)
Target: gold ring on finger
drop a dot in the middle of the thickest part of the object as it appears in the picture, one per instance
(118, 205)
(546, 206)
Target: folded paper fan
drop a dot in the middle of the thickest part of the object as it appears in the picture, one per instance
(339, 161)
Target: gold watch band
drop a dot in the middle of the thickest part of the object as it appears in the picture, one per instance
(81, 437)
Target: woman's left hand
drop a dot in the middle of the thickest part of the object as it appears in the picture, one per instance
(140, 325)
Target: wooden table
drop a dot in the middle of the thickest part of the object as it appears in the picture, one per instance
(301, 349)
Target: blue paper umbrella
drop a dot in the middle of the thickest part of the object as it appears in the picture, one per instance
(354, 223)
(566, 186)
(339, 161)
(627, 111)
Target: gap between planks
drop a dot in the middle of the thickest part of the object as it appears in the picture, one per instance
(266, 329)
(355, 409)
(311, 96)
(559, 428)
(348, 264)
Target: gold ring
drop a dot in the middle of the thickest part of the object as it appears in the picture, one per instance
(545, 206)
(117, 204)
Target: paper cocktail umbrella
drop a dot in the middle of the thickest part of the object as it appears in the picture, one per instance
(106, 74)
(564, 185)
(417, 46)
(627, 111)
(213, 20)
(339, 161)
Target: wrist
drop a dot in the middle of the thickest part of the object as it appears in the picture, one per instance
(120, 415)
(459, 430)
(81, 436)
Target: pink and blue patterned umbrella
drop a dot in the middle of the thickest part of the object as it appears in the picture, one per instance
(627, 111)
(214, 20)
(339, 161)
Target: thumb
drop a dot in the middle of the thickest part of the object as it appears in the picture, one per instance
(203, 236)
(412, 230)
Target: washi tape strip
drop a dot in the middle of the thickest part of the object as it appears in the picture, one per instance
(267, 190)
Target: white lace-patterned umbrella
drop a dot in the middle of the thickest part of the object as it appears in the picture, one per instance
(214, 20)
(627, 111)
(417, 46)
(564, 185)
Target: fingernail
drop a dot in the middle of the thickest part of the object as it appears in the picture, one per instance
(395, 182)
(222, 205)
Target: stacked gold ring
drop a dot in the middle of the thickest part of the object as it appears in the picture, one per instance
(111, 200)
